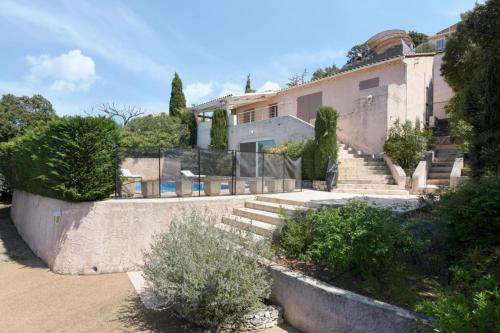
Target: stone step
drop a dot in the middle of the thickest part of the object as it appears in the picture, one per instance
(444, 159)
(273, 207)
(258, 215)
(438, 181)
(368, 186)
(371, 191)
(440, 169)
(365, 175)
(355, 173)
(438, 175)
(248, 225)
(366, 181)
(360, 162)
(244, 236)
(448, 164)
(281, 201)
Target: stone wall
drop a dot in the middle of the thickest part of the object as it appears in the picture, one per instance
(105, 236)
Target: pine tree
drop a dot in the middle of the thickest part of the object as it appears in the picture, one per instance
(177, 99)
(248, 86)
(218, 132)
(325, 137)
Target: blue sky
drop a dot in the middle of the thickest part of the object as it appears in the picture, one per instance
(80, 54)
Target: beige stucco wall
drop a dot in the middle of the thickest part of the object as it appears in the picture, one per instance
(203, 134)
(442, 91)
(109, 236)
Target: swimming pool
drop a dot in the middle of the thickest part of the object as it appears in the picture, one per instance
(169, 186)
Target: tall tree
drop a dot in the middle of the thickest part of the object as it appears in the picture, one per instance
(248, 86)
(19, 113)
(359, 53)
(218, 132)
(418, 37)
(471, 65)
(325, 137)
(124, 113)
(297, 79)
(324, 72)
(177, 98)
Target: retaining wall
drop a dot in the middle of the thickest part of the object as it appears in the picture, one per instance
(105, 236)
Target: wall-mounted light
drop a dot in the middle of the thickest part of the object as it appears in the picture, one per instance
(57, 214)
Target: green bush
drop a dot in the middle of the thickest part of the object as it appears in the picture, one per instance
(5, 170)
(471, 215)
(218, 132)
(325, 137)
(356, 237)
(406, 144)
(203, 277)
(296, 149)
(71, 158)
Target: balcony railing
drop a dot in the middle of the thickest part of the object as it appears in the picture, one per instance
(258, 114)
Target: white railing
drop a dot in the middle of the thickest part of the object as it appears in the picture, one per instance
(259, 114)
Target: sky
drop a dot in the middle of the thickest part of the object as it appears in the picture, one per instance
(81, 54)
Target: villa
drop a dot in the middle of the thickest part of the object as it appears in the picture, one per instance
(369, 96)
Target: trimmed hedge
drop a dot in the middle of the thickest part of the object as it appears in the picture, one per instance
(71, 158)
(218, 132)
(325, 137)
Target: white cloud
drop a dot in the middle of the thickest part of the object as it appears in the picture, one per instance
(269, 86)
(198, 91)
(70, 71)
(229, 88)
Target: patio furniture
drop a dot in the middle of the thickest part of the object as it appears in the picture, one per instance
(184, 187)
(274, 185)
(128, 183)
(289, 184)
(238, 188)
(191, 175)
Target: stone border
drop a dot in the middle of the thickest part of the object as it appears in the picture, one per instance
(313, 306)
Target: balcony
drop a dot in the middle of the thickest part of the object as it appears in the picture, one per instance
(257, 114)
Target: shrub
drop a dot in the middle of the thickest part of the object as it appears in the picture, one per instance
(218, 132)
(201, 276)
(5, 171)
(358, 237)
(406, 144)
(296, 149)
(71, 158)
(471, 215)
(325, 136)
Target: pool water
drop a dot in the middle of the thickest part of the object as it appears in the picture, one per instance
(169, 186)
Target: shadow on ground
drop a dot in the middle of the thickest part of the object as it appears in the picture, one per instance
(12, 246)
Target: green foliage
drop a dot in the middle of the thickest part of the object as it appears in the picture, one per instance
(188, 119)
(356, 237)
(471, 215)
(324, 72)
(202, 277)
(159, 130)
(471, 65)
(5, 170)
(325, 136)
(218, 132)
(418, 37)
(406, 144)
(426, 48)
(19, 113)
(177, 99)
(248, 86)
(359, 53)
(72, 158)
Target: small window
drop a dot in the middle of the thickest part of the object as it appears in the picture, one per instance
(440, 45)
(370, 83)
(273, 110)
(248, 116)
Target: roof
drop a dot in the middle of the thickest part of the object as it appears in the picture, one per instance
(451, 28)
(233, 100)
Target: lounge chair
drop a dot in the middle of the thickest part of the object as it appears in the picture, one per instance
(128, 183)
(189, 174)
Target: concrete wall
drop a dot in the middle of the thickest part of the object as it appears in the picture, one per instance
(316, 307)
(280, 129)
(105, 236)
(419, 72)
(442, 91)
(203, 134)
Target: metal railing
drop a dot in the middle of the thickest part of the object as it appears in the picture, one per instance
(188, 172)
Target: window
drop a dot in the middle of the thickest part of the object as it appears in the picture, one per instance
(273, 110)
(370, 83)
(248, 116)
(440, 45)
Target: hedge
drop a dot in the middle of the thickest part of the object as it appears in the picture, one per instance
(71, 158)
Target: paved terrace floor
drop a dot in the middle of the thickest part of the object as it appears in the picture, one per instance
(400, 202)
(33, 299)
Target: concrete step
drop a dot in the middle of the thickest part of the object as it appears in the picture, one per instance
(258, 215)
(248, 225)
(448, 164)
(281, 201)
(438, 175)
(273, 207)
(438, 181)
(371, 191)
(244, 236)
(365, 175)
(366, 181)
(364, 171)
(440, 169)
(444, 159)
(360, 162)
(368, 186)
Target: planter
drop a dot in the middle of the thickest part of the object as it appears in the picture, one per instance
(184, 188)
(150, 188)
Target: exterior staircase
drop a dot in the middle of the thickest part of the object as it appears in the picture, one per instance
(445, 153)
(260, 218)
(364, 174)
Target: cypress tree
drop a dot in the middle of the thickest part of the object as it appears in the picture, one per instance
(248, 87)
(325, 137)
(177, 99)
(218, 132)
